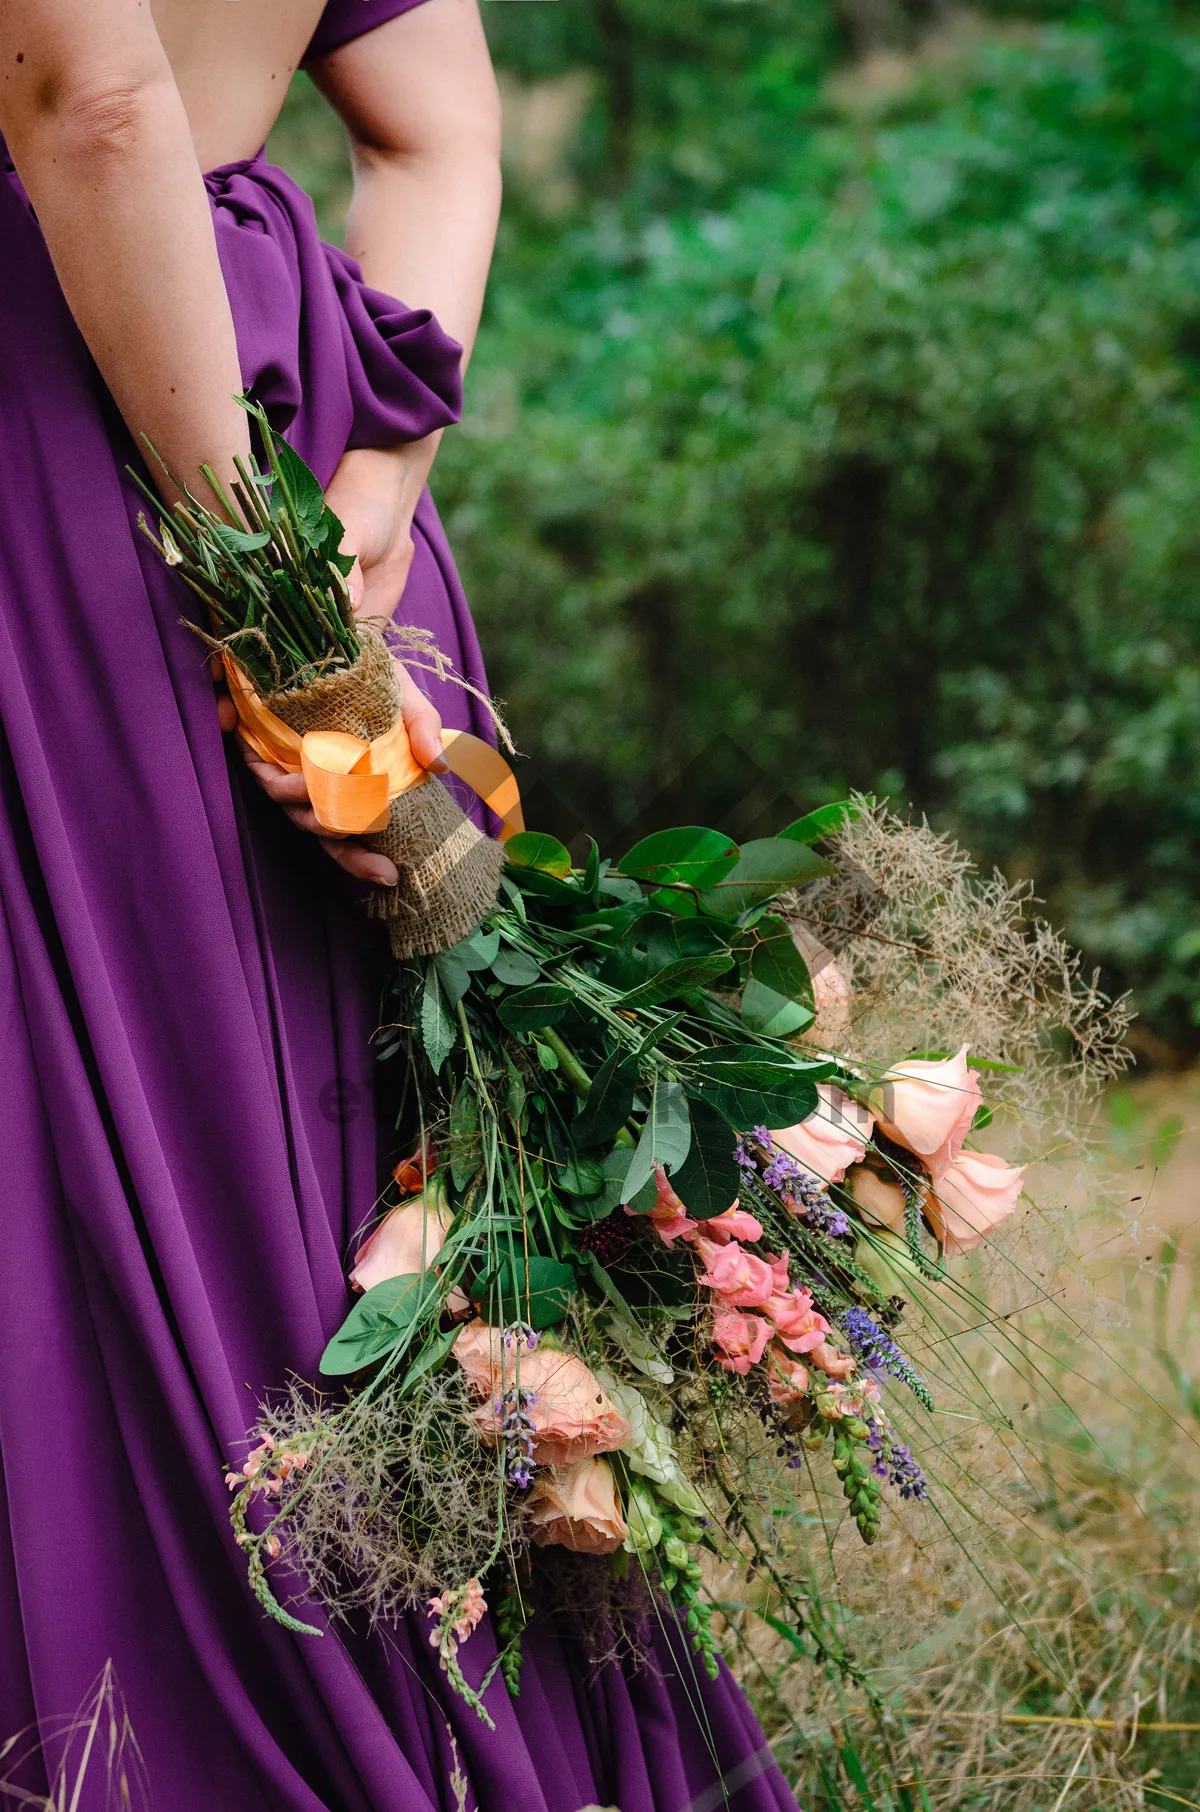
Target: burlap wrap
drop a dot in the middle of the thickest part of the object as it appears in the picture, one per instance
(449, 871)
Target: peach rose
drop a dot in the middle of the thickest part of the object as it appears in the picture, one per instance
(406, 1240)
(797, 1323)
(742, 1339)
(928, 1105)
(787, 1379)
(879, 1201)
(576, 1507)
(669, 1217)
(735, 1223)
(572, 1417)
(741, 1280)
(970, 1197)
(833, 1137)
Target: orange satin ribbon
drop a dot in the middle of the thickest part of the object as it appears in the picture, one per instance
(351, 782)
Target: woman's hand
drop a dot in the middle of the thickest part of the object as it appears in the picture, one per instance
(374, 493)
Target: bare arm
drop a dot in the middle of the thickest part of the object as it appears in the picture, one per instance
(99, 136)
(420, 104)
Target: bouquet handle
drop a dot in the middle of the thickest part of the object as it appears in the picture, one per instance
(352, 780)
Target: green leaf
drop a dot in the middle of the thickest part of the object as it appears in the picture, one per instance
(237, 541)
(536, 1290)
(675, 979)
(765, 1010)
(665, 1139)
(621, 888)
(466, 1150)
(514, 968)
(616, 1169)
(754, 1086)
(379, 1321)
(439, 1032)
(307, 497)
(764, 868)
(655, 940)
(591, 870)
(610, 1102)
(429, 1358)
(707, 1181)
(580, 1176)
(536, 850)
(681, 855)
(534, 1008)
(456, 966)
(768, 954)
(824, 822)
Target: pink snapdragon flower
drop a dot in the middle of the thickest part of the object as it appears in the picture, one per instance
(832, 1361)
(470, 1604)
(741, 1280)
(741, 1338)
(735, 1223)
(669, 1218)
(799, 1326)
(787, 1379)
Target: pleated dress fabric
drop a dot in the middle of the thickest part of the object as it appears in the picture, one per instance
(189, 1126)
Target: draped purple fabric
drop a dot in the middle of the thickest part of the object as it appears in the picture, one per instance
(187, 987)
(343, 20)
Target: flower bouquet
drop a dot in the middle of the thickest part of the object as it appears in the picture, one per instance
(644, 1268)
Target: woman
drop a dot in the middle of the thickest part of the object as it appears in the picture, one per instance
(188, 981)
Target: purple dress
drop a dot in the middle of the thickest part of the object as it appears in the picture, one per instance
(189, 1143)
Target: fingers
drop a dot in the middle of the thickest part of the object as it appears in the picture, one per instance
(364, 864)
(423, 722)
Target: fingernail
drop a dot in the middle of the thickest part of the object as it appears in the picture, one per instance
(382, 878)
(439, 749)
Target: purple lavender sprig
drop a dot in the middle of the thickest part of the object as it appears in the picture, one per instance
(516, 1427)
(879, 1353)
(894, 1462)
(804, 1193)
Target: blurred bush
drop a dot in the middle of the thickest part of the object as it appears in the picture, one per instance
(836, 421)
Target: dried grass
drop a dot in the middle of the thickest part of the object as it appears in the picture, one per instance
(381, 1522)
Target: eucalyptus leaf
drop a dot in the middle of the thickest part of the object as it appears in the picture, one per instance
(675, 979)
(707, 1181)
(536, 1290)
(514, 968)
(610, 1102)
(764, 868)
(532, 1009)
(826, 821)
(682, 855)
(665, 1139)
(755, 1086)
(768, 954)
(538, 851)
(379, 1321)
(653, 941)
(439, 1032)
(429, 1359)
(765, 1010)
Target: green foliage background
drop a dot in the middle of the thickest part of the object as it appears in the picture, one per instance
(837, 422)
